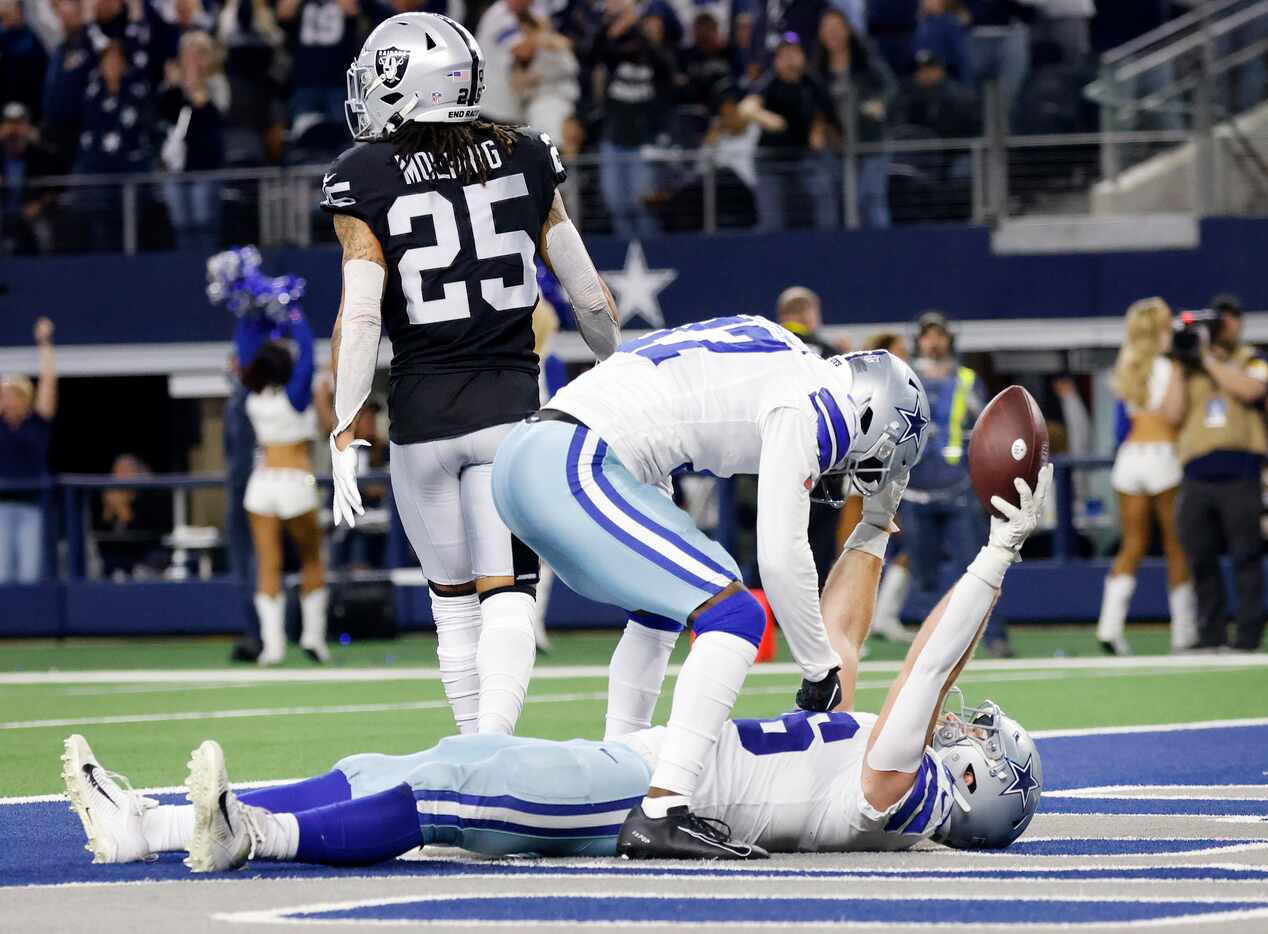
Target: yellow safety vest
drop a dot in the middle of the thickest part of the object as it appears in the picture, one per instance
(954, 448)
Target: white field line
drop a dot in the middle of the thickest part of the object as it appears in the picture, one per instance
(382, 707)
(1162, 792)
(166, 790)
(1155, 728)
(553, 672)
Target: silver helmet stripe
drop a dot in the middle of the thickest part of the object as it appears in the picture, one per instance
(476, 62)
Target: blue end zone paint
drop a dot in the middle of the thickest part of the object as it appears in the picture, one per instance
(1220, 756)
(647, 910)
(1113, 846)
(1221, 807)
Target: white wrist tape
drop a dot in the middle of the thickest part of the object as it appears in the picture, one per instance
(901, 742)
(359, 338)
(868, 538)
(991, 563)
(576, 272)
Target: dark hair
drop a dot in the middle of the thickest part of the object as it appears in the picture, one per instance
(452, 144)
(271, 366)
(1227, 302)
(855, 45)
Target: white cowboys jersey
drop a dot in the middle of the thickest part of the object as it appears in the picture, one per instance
(695, 397)
(794, 784)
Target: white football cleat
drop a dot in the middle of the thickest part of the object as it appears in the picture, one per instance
(106, 805)
(224, 828)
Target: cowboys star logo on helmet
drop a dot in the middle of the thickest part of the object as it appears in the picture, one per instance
(391, 64)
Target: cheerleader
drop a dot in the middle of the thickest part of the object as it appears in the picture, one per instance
(1146, 478)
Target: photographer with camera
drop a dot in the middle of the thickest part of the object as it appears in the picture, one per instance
(1217, 411)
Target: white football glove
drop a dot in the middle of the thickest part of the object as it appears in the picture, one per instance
(871, 535)
(880, 508)
(1019, 521)
(1009, 533)
(343, 467)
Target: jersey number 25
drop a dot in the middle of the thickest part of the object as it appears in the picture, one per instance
(489, 244)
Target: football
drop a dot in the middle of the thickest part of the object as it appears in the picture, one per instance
(1009, 440)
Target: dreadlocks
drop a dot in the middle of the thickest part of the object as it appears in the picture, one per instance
(455, 145)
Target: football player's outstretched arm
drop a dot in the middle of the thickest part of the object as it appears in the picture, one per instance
(941, 650)
(561, 248)
(354, 351)
(849, 594)
(788, 469)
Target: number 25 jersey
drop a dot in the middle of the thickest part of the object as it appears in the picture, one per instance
(461, 277)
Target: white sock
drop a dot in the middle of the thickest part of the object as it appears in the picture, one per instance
(312, 609)
(276, 835)
(892, 595)
(272, 614)
(658, 807)
(505, 659)
(168, 827)
(1114, 602)
(706, 691)
(457, 635)
(1184, 616)
(635, 675)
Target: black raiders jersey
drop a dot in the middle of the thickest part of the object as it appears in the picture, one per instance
(461, 278)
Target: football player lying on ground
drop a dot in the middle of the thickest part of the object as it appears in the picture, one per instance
(803, 782)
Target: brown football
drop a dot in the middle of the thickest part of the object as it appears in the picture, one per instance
(1009, 440)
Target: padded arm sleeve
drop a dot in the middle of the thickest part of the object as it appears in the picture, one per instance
(359, 341)
(783, 549)
(576, 272)
(901, 740)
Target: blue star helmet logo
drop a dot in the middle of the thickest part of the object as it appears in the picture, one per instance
(916, 422)
(1023, 781)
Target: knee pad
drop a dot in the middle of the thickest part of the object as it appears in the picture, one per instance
(652, 621)
(739, 614)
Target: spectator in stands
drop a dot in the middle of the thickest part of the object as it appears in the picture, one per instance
(174, 20)
(1067, 24)
(25, 211)
(322, 37)
(544, 75)
(941, 516)
(23, 61)
(640, 76)
(1146, 478)
(710, 64)
(795, 113)
(130, 526)
(862, 89)
(498, 34)
(254, 62)
(191, 108)
(26, 416)
(942, 28)
(66, 83)
(999, 45)
(1218, 411)
(281, 497)
(932, 100)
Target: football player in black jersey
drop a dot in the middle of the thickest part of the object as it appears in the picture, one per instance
(441, 216)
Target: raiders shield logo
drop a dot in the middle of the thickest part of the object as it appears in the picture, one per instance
(391, 64)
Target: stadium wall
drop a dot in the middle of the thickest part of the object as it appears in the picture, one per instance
(862, 275)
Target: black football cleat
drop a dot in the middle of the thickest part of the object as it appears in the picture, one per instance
(680, 835)
(822, 695)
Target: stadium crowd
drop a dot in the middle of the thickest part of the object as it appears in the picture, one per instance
(771, 91)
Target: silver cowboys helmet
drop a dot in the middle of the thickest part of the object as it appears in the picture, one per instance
(998, 777)
(420, 67)
(893, 418)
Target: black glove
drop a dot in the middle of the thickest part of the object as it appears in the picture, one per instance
(820, 696)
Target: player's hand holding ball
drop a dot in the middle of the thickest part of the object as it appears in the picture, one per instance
(1018, 522)
(343, 467)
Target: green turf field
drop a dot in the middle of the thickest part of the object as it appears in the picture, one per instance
(145, 726)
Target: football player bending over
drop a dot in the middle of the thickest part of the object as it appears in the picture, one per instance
(807, 781)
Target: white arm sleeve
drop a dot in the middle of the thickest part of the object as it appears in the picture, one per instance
(359, 338)
(576, 272)
(788, 462)
(901, 741)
